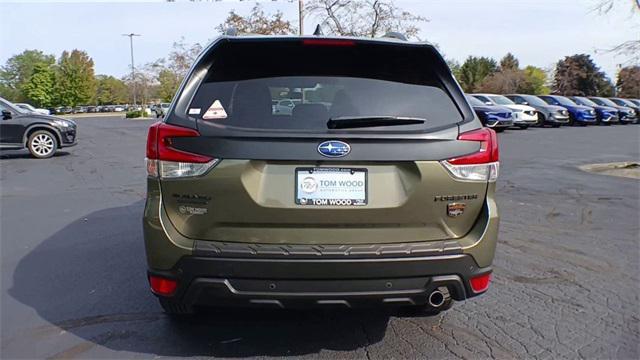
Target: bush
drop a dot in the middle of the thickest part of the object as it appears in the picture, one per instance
(134, 114)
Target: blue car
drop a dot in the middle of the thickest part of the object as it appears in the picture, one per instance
(606, 115)
(578, 114)
(496, 117)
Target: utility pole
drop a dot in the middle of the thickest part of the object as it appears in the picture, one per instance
(300, 17)
(133, 69)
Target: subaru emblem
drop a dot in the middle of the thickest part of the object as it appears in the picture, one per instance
(334, 148)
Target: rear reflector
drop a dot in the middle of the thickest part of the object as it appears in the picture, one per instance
(163, 286)
(165, 161)
(480, 283)
(482, 165)
(328, 42)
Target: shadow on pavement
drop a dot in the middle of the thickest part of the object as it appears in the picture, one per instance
(89, 279)
(24, 154)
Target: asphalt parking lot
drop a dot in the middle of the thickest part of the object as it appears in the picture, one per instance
(565, 283)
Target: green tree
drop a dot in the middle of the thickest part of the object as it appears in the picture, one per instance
(628, 84)
(110, 90)
(537, 79)
(257, 22)
(578, 75)
(509, 62)
(75, 80)
(39, 88)
(18, 70)
(474, 70)
(168, 84)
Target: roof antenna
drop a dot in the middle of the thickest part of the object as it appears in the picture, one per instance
(318, 31)
(230, 31)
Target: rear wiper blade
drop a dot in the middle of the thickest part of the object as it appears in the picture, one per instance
(350, 122)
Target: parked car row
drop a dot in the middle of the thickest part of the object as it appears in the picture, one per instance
(522, 110)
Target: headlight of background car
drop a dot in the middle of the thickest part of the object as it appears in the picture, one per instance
(62, 123)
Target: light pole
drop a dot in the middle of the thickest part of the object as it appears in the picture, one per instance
(133, 71)
(300, 17)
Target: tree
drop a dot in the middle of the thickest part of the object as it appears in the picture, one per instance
(169, 83)
(110, 90)
(628, 84)
(630, 48)
(39, 88)
(505, 82)
(537, 80)
(474, 70)
(578, 75)
(18, 70)
(257, 22)
(75, 80)
(368, 18)
(509, 62)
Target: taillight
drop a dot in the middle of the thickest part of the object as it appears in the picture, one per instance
(482, 165)
(164, 161)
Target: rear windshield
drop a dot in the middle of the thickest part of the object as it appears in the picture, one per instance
(298, 86)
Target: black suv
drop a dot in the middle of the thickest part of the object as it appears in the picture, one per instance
(41, 134)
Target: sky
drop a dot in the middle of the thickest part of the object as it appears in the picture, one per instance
(538, 32)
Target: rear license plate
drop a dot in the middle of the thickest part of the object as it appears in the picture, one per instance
(331, 186)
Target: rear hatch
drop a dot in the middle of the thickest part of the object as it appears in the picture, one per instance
(322, 141)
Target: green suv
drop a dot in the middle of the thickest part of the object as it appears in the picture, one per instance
(376, 190)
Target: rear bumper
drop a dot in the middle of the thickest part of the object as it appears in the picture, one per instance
(288, 283)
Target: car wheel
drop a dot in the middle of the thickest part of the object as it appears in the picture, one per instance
(541, 119)
(42, 144)
(176, 308)
(571, 121)
(499, 129)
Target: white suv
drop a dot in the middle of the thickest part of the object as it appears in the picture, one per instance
(523, 115)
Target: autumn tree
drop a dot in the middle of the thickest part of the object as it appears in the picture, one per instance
(17, 71)
(505, 82)
(628, 84)
(474, 70)
(366, 18)
(578, 75)
(631, 47)
(258, 22)
(38, 88)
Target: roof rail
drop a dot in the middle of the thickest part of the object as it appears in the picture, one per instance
(318, 31)
(395, 35)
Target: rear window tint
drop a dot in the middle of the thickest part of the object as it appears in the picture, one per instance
(289, 85)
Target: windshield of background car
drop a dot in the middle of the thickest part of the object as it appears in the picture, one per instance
(605, 102)
(564, 101)
(622, 102)
(533, 100)
(320, 81)
(475, 102)
(584, 101)
(501, 100)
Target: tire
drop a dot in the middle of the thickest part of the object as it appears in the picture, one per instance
(498, 130)
(176, 308)
(42, 144)
(541, 120)
(572, 121)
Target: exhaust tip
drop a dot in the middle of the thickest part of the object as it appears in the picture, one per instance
(436, 298)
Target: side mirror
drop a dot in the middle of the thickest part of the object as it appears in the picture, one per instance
(6, 115)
